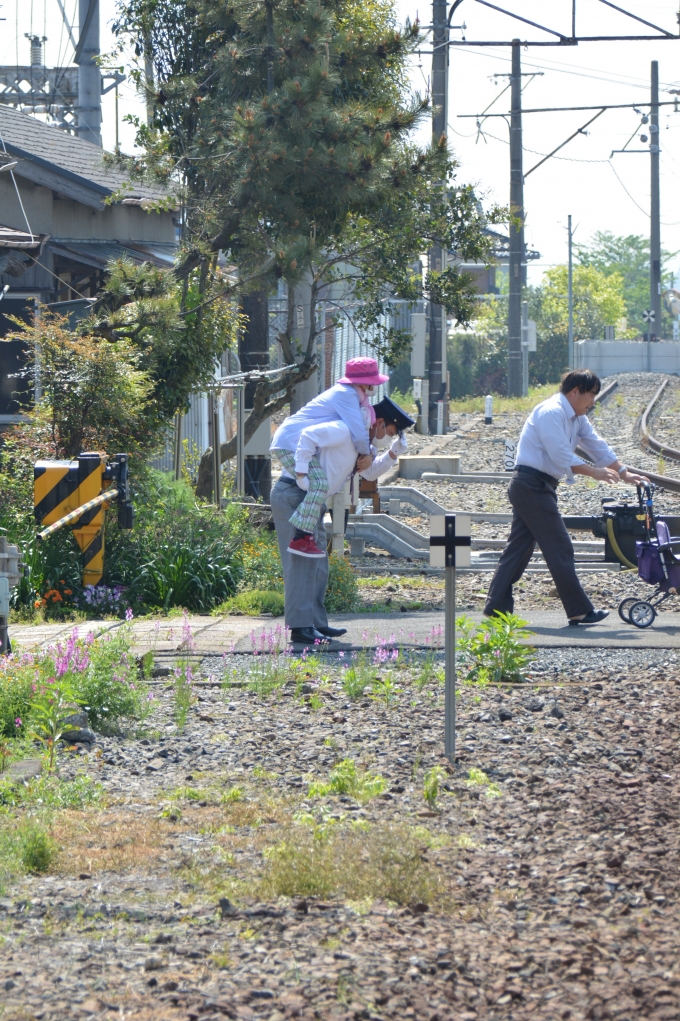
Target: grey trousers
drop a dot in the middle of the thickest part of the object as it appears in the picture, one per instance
(536, 519)
(304, 578)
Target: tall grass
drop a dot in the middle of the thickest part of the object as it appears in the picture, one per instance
(503, 404)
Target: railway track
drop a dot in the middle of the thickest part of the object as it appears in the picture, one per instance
(667, 482)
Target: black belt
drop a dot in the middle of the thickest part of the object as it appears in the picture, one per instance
(550, 479)
(289, 482)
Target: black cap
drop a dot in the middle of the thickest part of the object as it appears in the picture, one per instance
(391, 413)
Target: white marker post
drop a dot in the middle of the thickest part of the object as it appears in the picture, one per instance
(450, 547)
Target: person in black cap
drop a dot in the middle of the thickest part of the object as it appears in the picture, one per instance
(391, 414)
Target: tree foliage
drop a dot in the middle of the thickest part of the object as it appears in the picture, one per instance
(628, 256)
(288, 127)
(93, 395)
(479, 357)
(177, 330)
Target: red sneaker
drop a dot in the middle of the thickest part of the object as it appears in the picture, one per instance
(305, 547)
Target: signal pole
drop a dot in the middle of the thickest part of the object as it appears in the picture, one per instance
(655, 211)
(437, 315)
(517, 266)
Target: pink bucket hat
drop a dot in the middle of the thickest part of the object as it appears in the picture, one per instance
(364, 372)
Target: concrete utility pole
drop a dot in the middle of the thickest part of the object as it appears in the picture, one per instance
(89, 107)
(517, 255)
(437, 314)
(570, 294)
(655, 211)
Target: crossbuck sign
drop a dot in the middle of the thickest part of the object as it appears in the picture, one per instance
(450, 547)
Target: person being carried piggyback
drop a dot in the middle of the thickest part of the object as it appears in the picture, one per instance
(344, 403)
(305, 579)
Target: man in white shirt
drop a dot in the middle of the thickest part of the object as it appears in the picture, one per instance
(305, 578)
(545, 454)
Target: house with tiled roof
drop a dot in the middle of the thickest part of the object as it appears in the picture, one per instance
(64, 213)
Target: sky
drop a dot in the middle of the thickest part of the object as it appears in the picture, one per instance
(602, 192)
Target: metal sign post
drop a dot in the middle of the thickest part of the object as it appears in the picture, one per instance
(240, 440)
(450, 547)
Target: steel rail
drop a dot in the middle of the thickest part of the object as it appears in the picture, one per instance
(663, 481)
(647, 438)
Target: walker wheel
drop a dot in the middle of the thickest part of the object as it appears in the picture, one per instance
(642, 614)
(624, 608)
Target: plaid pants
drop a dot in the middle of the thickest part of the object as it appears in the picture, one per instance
(307, 515)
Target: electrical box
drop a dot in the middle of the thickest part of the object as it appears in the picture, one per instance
(531, 335)
(418, 331)
(259, 443)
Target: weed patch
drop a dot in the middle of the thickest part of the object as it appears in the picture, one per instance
(478, 778)
(494, 650)
(25, 846)
(382, 862)
(254, 603)
(345, 778)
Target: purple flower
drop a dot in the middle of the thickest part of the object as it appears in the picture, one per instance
(129, 614)
(17, 722)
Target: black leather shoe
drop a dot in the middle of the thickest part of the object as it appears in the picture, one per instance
(594, 617)
(308, 636)
(332, 632)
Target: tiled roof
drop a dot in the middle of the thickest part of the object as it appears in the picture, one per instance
(71, 158)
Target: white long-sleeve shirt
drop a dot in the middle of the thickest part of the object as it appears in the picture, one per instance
(552, 433)
(332, 442)
(338, 404)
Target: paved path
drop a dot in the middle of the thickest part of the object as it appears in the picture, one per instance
(218, 635)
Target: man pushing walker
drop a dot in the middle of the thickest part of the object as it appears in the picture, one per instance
(545, 454)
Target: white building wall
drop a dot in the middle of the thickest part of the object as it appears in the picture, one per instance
(607, 357)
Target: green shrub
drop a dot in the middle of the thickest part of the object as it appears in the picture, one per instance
(494, 650)
(253, 603)
(36, 849)
(16, 680)
(180, 552)
(342, 594)
(109, 686)
(261, 563)
(100, 675)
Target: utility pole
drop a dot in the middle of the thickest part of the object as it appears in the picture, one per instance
(655, 211)
(517, 257)
(437, 314)
(570, 294)
(89, 107)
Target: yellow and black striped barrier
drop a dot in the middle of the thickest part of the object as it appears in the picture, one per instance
(98, 501)
(79, 492)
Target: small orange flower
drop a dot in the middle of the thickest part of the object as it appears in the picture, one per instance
(68, 592)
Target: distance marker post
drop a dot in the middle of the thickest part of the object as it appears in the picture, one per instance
(450, 547)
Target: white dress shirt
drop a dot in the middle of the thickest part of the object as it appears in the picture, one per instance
(332, 442)
(338, 404)
(552, 433)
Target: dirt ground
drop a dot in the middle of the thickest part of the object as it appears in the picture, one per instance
(546, 890)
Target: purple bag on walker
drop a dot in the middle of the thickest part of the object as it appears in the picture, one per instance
(649, 562)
